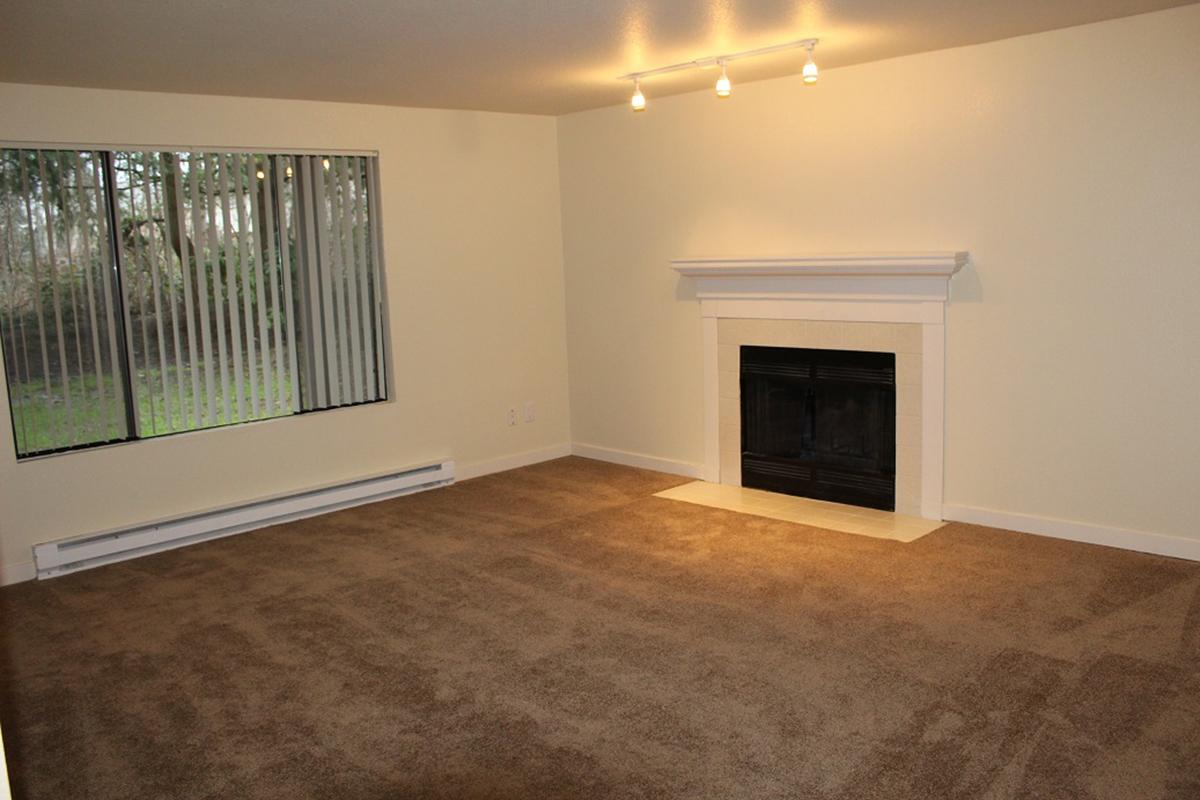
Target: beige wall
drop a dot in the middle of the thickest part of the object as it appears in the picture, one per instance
(474, 255)
(1068, 163)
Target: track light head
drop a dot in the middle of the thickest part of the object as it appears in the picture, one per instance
(810, 68)
(638, 101)
(724, 87)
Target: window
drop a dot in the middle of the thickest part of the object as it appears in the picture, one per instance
(145, 293)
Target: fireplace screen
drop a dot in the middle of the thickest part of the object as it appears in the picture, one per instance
(820, 424)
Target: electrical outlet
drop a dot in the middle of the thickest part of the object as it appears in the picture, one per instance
(530, 411)
(512, 416)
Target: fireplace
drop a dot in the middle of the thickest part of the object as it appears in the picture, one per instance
(819, 423)
(893, 303)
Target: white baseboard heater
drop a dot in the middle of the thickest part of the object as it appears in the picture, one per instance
(95, 549)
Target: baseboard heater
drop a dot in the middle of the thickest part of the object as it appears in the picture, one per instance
(94, 549)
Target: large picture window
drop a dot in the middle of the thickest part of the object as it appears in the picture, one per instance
(145, 293)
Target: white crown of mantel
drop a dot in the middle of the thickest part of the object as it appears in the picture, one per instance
(902, 276)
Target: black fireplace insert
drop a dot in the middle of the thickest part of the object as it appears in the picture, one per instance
(820, 424)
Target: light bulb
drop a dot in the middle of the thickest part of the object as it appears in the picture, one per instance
(724, 87)
(638, 101)
(289, 172)
(325, 162)
(261, 174)
(810, 69)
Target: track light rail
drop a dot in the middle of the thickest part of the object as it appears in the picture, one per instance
(713, 61)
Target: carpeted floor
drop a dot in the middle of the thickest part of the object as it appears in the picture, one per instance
(556, 632)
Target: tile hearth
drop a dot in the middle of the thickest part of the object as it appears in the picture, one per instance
(802, 510)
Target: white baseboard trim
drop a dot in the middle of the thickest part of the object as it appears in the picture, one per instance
(638, 460)
(1142, 541)
(478, 469)
(17, 572)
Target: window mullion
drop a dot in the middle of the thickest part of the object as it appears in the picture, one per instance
(125, 329)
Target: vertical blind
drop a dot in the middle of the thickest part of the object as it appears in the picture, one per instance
(147, 292)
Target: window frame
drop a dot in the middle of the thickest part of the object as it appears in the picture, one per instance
(106, 151)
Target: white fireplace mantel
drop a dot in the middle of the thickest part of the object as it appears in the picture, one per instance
(913, 277)
(867, 265)
(901, 287)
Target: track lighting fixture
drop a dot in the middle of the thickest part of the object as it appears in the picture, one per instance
(723, 86)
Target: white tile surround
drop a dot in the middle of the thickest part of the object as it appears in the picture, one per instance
(877, 301)
(902, 339)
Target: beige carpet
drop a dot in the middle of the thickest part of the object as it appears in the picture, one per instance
(557, 632)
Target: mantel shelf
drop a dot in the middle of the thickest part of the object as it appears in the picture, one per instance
(932, 264)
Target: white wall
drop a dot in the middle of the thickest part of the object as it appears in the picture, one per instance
(1068, 163)
(475, 290)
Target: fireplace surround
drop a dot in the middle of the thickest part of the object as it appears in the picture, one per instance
(878, 302)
